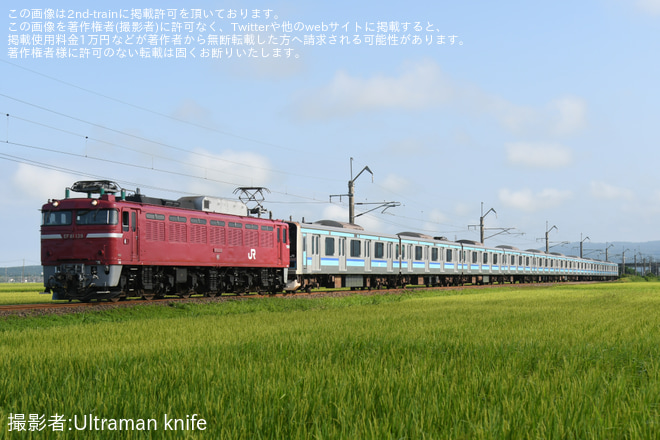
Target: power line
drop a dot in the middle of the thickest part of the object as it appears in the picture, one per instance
(173, 118)
(144, 139)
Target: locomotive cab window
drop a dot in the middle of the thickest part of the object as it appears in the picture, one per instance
(57, 218)
(97, 217)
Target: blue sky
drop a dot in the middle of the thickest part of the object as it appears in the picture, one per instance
(543, 111)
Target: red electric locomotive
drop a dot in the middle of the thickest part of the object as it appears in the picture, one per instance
(110, 245)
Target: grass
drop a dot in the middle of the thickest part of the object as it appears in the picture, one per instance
(559, 362)
(23, 293)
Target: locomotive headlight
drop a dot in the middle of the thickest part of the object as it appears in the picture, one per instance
(56, 203)
(95, 202)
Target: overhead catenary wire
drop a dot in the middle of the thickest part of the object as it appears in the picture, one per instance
(177, 148)
(145, 139)
(151, 111)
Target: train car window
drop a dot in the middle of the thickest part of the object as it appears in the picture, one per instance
(474, 257)
(249, 226)
(266, 228)
(495, 259)
(198, 221)
(526, 261)
(235, 225)
(434, 254)
(418, 252)
(379, 250)
(133, 221)
(284, 235)
(179, 219)
(329, 246)
(449, 255)
(356, 248)
(97, 217)
(217, 223)
(485, 258)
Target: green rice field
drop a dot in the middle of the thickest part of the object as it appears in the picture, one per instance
(564, 362)
(25, 293)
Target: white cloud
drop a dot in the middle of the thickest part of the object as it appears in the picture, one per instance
(436, 219)
(340, 213)
(651, 6)
(420, 86)
(40, 184)
(602, 190)
(190, 110)
(569, 114)
(232, 168)
(395, 183)
(526, 200)
(463, 209)
(539, 155)
(424, 85)
(407, 147)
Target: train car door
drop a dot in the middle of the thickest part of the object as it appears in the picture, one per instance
(342, 254)
(316, 253)
(367, 255)
(390, 257)
(129, 227)
(281, 246)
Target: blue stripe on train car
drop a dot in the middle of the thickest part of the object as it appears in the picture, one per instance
(352, 262)
(378, 263)
(330, 261)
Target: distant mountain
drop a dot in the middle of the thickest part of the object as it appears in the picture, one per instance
(649, 249)
(16, 274)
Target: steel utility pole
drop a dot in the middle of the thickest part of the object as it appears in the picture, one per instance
(606, 248)
(483, 228)
(547, 234)
(623, 257)
(351, 191)
(581, 242)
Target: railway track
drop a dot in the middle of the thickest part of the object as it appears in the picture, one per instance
(73, 307)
